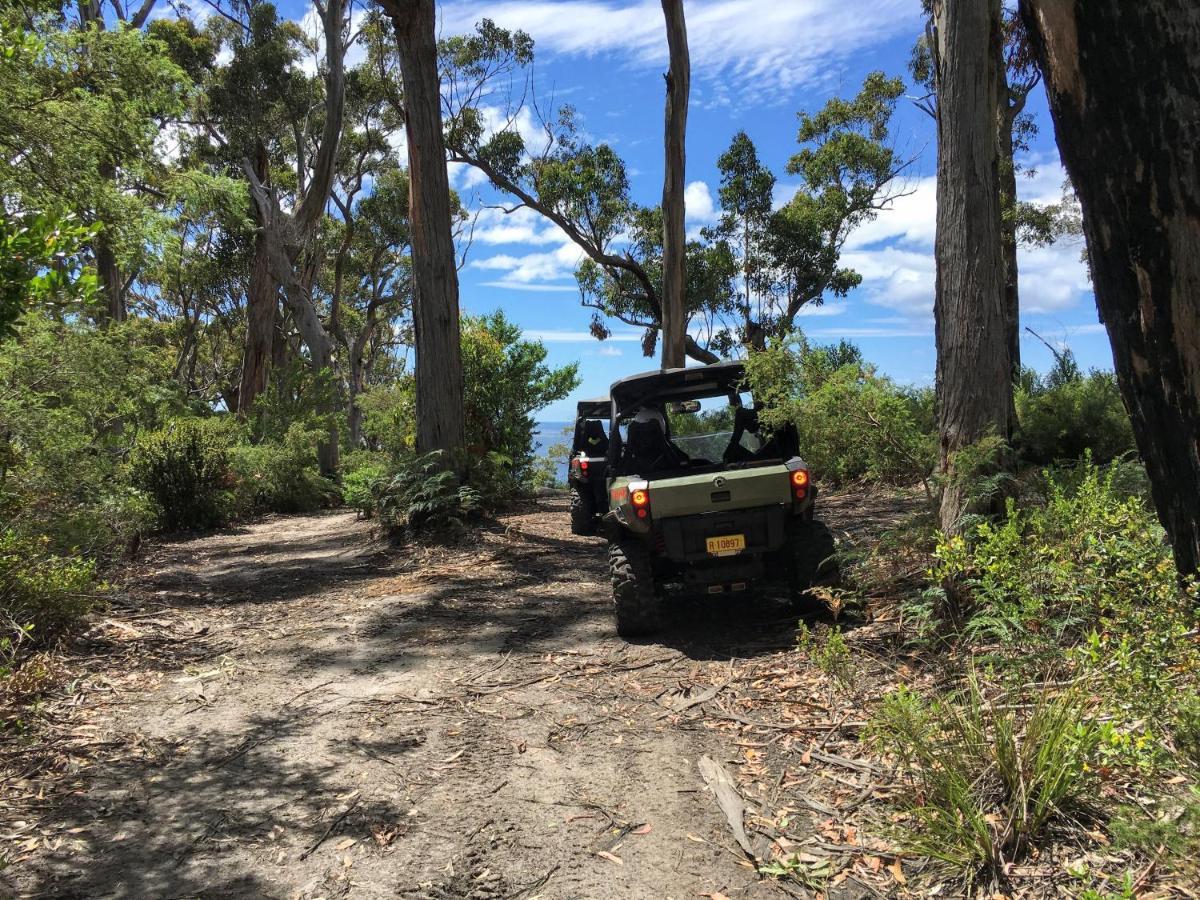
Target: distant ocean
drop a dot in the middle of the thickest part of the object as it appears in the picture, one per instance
(546, 435)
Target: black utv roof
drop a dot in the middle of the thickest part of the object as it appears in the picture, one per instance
(596, 408)
(663, 385)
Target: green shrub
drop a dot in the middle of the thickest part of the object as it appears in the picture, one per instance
(185, 469)
(1085, 584)
(426, 494)
(506, 380)
(990, 774)
(854, 424)
(280, 477)
(66, 432)
(40, 593)
(363, 475)
(1062, 418)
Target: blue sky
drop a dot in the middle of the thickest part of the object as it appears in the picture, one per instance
(755, 65)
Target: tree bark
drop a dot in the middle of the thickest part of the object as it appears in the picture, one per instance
(674, 321)
(1123, 80)
(974, 383)
(261, 306)
(439, 376)
(1008, 192)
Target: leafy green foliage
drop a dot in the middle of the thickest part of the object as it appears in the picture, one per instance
(427, 494)
(1065, 414)
(65, 433)
(991, 772)
(40, 593)
(363, 475)
(854, 424)
(280, 476)
(40, 265)
(1084, 582)
(506, 380)
(185, 468)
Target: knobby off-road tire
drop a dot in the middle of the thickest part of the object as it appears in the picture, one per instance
(583, 513)
(810, 558)
(635, 601)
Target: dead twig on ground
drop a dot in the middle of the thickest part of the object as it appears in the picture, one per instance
(332, 825)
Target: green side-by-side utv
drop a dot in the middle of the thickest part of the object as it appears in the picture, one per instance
(698, 495)
(588, 464)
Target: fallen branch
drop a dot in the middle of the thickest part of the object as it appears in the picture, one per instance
(332, 825)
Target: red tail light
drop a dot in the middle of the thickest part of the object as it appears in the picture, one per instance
(799, 482)
(583, 463)
(640, 498)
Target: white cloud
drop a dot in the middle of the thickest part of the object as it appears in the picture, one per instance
(811, 311)
(701, 210)
(521, 226)
(553, 336)
(535, 268)
(735, 45)
(533, 288)
(894, 253)
(606, 350)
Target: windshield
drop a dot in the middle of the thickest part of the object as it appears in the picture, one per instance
(690, 434)
(707, 434)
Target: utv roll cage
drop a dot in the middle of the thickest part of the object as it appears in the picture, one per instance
(658, 388)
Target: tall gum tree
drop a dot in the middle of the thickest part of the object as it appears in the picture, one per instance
(678, 78)
(285, 238)
(974, 383)
(436, 325)
(1124, 81)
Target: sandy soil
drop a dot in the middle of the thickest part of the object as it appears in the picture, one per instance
(296, 710)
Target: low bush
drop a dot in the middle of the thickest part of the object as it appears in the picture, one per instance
(426, 494)
(280, 477)
(363, 475)
(854, 424)
(41, 593)
(185, 469)
(1066, 415)
(990, 773)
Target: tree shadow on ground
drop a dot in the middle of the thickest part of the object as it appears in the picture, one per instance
(210, 818)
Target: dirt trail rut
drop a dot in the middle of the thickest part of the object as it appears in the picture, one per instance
(294, 709)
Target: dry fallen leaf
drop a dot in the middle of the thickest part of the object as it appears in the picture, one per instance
(346, 843)
(644, 829)
(898, 872)
(610, 857)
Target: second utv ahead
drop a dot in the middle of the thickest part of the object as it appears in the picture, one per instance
(699, 495)
(588, 465)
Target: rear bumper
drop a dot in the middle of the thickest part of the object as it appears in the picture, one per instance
(682, 539)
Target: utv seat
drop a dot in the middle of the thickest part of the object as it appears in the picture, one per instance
(647, 450)
(595, 441)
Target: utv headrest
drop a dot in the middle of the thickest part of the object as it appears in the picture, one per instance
(595, 437)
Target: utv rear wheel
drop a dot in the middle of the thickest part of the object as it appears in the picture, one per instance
(634, 597)
(583, 513)
(810, 559)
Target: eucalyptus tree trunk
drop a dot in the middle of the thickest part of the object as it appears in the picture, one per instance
(1008, 193)
(1123, 80)
(674, 321)
(286, 236)
(439, 376)
(261, 310)
(974, 374)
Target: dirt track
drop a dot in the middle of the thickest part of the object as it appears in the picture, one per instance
(295, 710)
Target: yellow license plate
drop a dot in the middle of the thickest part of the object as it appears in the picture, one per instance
(726, 544)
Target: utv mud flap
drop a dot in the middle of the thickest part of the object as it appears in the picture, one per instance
(726, 572)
